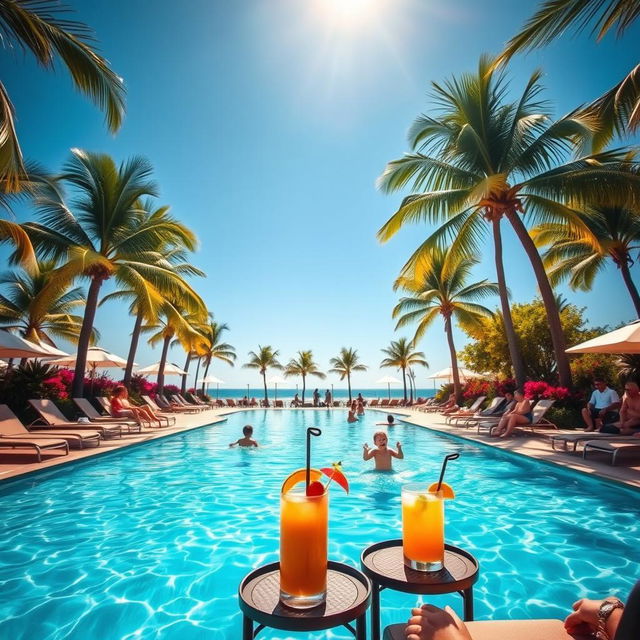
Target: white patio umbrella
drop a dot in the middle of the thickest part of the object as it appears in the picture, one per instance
(623, 340)
(275, 380)
(447, 374)
(170, 369)
(388, 380)
(212, 380)
(12, 346)
(52, 351)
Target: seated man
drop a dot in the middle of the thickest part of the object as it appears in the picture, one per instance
(602, 407)
(629, 422)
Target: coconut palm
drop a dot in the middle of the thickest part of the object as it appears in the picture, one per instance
(579, 253)
(265, 358)
(442, 289)
(43, 28)
(36, 311)
(304, 366)
(215, 349)
(345, 364)
(619, 108)
(484, 158)
(109, 237)
(400, 355)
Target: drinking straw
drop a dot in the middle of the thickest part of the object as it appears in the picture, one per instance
(311, 431)
(451, 456)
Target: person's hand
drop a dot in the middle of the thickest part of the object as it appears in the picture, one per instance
(365, 446)
(431, 623)
(398, 445)
(584, 619)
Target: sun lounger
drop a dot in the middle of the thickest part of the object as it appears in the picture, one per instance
(53, 417)
(468, 421)
(384, 402)
(90, 411)
(38, 444)
(12, 427)
(374, 402)
(159, 412)
(177, 407)
(231, 403)
(466, 413)
(393, 403)
(195, 400)
(612, 447)
(570, 441)
(180, 401)
(279, 404)
(539, 421)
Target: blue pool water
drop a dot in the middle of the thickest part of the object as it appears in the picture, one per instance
(152, 542)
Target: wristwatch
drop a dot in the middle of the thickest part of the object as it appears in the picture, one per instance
(607, 607)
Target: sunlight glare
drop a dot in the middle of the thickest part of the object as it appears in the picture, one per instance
(349, 12)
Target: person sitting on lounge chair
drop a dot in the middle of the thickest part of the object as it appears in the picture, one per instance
(629, 423)
(608, 618)
(296, 401)
(122, 408)
(602, 407)
(450, 406)
(519, 416)
(501, 408)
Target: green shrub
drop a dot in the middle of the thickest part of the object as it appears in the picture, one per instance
(565, 417)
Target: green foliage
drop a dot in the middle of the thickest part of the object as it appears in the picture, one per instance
(24, 382)
(565, 417)
(588, 366)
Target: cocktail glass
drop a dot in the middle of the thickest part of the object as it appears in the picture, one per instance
(303, 548)
(422, 528)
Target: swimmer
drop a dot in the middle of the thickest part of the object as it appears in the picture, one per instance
(391, 422)
(246, 440)
(352, 416)
(382, 454)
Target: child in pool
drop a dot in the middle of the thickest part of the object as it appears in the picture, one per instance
(246, 440)
(382, 454)
(391, 422)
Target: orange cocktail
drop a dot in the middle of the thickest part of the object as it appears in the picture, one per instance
(422, 527)
(303, 548)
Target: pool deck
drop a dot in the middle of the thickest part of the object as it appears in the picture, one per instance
(626, 472)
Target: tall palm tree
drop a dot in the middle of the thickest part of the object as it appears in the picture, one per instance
(215, 349)
(304, 366)
(265, 358)
(38, 312)
(484, 158)
(345, 364)
(618, 109)
(442, 289)
(43, 27)
(579, 253)
(400, 355)
(109, 237)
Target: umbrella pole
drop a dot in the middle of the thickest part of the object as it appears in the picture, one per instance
(276, 394)
(389, 389)
(217, 390)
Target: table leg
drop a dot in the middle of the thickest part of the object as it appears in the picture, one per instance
(247, 628)
(467, 597)
(375, 611)
(361, 627)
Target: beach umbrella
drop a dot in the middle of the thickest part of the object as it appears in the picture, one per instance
(212, 380)
(170, 369)
(447, 374)
(388, 380)
(52, 351)
(12, 346)
(623, 340)
(275, 380)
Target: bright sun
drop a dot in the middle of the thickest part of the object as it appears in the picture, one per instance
(348, 11)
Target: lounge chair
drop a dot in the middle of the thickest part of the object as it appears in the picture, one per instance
(177, 399)
(466, 413)
(39, 444)
(569, 441)
(105, 403)
(612, 447)
(394, 403)
(11, 427)
(279, 404)
(53, 417)
(374, 402)
(538, 421)
(175, 407)
(384, 402)
(200, 401)
(90, 411)
(159, 412)
(231, 403)
(478, 416)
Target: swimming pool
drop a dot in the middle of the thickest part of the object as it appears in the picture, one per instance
(152, 542)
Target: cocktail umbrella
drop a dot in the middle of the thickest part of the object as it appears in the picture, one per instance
(12, 346)
(276, 380)
(623, 340)
(170, 369)
(388, 380)
(212, 380)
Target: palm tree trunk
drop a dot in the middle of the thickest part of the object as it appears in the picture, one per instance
(548, 298)
(304, 385)
(77, 387)
(133, 347)
(195, 384)
(206, 373)
(266, 394)
(187, 362)
(163, 362)
(349, 385)
(454, 359)
(507, 320)
(404, 383)
(633, 291)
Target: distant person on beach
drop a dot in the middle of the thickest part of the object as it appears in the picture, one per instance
(328, 401)
(246, 440)
(391, 422)
(316, 398)
(351, 417)
(382, 454)
(296, 401)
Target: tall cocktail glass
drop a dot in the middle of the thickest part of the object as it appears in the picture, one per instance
(422, 528)
(303, 548)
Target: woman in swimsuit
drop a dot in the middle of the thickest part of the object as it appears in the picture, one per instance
(122, 408)
(519, 416)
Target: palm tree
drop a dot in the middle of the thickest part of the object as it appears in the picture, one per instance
(619, 108)
(345, 364)
(263, 359)
(579, 253)
(109, 237)
(36, 311)
(44, 28)
(401, 356)
(443, 290)
(303, 366)
(215, 349)
(485, 158)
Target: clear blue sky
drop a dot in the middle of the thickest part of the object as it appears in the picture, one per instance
(267, 122)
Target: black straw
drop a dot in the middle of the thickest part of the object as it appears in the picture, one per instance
(451, 456)
(311, 431)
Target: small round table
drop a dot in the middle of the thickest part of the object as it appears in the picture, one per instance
(383, 564)
(348, 598)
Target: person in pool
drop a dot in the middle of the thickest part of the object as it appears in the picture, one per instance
(391, 422)
(351, 417)
(360, 408)
(520, 415)
(246, 440)
(382, 454)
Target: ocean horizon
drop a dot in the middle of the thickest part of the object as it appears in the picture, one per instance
(289, 393)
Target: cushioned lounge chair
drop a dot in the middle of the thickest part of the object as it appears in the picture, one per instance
(571, 440)
(12, 427)
(374, 402)
(90, 411)
(52, 417)
(105, 403)
(180, 401)
(472, 420)
(466, 413)
(174, 407)
(159, 411)
(612, 447)
(38, 444)
(196, 400)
